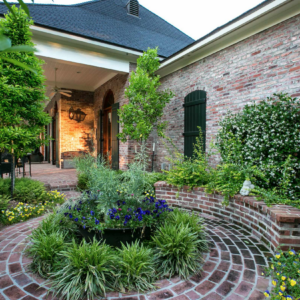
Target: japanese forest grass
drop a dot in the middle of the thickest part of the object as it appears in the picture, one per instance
(77, 269)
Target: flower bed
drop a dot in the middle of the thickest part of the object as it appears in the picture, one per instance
(24, 211)
(275, 226)
(285, 271)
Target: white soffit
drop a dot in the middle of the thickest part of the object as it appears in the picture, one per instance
(75, 76)
(266, 17)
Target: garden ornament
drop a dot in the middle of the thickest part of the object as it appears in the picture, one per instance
(247, 187)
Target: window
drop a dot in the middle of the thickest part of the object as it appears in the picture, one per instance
(194, 118)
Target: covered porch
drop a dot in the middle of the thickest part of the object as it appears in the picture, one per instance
(85, 83)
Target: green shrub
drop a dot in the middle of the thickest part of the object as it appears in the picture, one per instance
(265, 135)
(5, 186)
(227, 179)
(82, 181)
(4, 200)
(88, 270)
(193, 221)
(26, 190)
(176, 250)
(136, 267)
(192, 172)
(44, 250)
(285, 271)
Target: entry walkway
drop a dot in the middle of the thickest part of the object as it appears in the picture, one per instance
(53, 177)
(232, 270)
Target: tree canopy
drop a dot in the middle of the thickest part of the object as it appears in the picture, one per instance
(143, 113)
(22, 92)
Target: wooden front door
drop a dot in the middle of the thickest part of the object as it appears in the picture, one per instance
(107, 134)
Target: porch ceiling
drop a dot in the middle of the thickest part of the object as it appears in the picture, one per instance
(74, 76)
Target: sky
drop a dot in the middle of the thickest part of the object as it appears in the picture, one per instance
(196, 18)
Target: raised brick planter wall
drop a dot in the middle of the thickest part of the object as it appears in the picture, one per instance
(274, 226)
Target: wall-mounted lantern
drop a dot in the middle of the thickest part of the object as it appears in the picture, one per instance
(77, 115)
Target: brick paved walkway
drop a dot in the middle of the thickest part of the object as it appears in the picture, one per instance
(55, 178)
(232, 269)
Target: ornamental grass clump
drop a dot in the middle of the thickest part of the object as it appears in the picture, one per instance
(192, 220)
(176, 250)
(137, 268)
(87, 270)
(55, 222)
(285, 271)
(44, 250)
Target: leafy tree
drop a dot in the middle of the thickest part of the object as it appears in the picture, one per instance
(143, 113)
(22, 92)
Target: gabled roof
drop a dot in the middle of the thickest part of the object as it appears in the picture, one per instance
(108, 21)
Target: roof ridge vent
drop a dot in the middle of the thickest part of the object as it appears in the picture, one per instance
(133, 8)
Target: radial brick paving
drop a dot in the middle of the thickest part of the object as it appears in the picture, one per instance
(232, 270)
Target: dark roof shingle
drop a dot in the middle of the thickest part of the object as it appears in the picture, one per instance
(108, 21)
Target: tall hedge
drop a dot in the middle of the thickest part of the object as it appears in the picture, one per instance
(267, 135)
(22, 92)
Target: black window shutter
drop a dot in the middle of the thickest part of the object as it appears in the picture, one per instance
(194, 117)
(115, 140)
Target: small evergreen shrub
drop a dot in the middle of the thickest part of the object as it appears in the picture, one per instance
(44, 249)
(87, 270)
(176, 250)
(265, 135)
(186, 171)
(4, 200)
(137, 268)
(26, 190)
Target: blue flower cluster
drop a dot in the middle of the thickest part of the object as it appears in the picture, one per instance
(75, 214)
(154, 209)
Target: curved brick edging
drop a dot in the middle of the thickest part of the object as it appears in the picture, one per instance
(232, 270)
(274, 226)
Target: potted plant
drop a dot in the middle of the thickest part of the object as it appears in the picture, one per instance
(127, 221)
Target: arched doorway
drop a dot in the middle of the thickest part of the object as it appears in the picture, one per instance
(108, 129)
(107, 125)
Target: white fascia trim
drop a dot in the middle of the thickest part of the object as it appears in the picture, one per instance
(189, 52)
(85, 41)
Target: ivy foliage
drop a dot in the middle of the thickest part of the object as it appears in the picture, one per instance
(22, 92)
(142, 114)
(265, 135)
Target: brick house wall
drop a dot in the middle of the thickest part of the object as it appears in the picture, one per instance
(246, 72)
(74, 136)
(77, 136)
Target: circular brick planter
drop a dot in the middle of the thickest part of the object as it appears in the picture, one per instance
(276, 226)
(232, 270)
